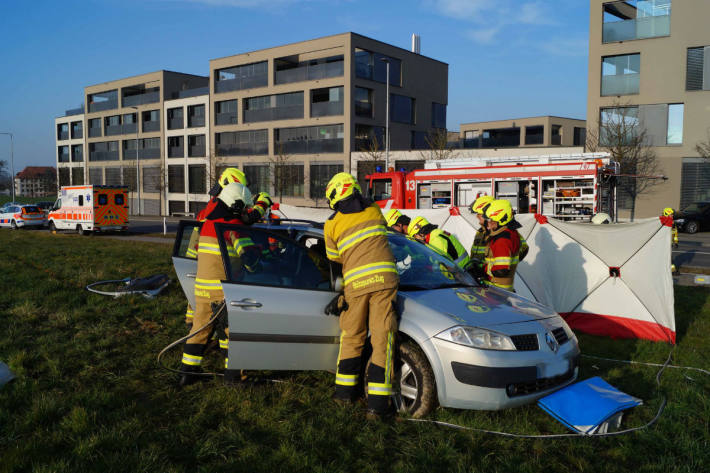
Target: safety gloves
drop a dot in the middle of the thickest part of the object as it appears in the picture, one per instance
(336, 306)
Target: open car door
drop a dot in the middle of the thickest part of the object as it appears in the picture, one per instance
(185, 256)
(275, 291)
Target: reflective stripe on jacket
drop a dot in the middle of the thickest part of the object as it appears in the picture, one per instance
(480, 244)
(502, 257)
(448, 245)
(359, 241)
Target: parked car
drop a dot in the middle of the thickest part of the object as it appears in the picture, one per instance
(460, 345)
(693, 218)
(16, 216)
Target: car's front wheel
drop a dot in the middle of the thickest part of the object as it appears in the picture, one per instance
(414, 384)
(52, 228)
(691, 227)
(13, 225)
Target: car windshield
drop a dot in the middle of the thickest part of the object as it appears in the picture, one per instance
(30, 209)
(420, 267)
(696, 207)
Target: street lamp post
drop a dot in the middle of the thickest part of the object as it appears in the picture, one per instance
(387, 116)
(12, 163)
(138, 171)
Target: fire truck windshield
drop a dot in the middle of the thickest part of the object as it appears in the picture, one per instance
(380, 189)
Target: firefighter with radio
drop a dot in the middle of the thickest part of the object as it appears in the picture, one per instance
(441, 241)
(504, 250)
(231, 207)
(356, 237)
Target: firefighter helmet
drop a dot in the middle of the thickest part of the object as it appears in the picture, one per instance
(479, 205)
(392, 216)
(668, 212)
(416, 225)
(232, 175)
(500, 211)
(235, 196)
(340, 187)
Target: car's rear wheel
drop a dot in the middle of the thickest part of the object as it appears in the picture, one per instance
(691, 227)
(13, 225)
(414, 383)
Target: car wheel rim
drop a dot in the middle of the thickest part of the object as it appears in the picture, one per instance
(408, 387)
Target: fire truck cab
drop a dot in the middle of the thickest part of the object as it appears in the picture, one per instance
(561, 186)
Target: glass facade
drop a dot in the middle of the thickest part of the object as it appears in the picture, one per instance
(103, 151)
(225, 112)
(675, 124)
(438, 115)
(636, 19)
(242, 143)
(63, 154)
(197, 178)
(151, 120)
(310, 139)
(372, 66)
(288, 179)
(320, 175)
(273, 107)
(175, 147)
(195, 146)
(242, 77)
(363, 102)
(259, 177)
(402, 109)
(289, 70)
(77, 153)
(534, 135)
(176, 178)
(327, 102)
(76, 130)
(621, 74)
(195, 116)
(175, 121)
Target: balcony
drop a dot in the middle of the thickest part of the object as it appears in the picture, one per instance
(241, 83)
(308, 72)
(151, 126)
(228, 118)
(326, 109)
(176, 152)
(63, 135)
(195, 122)
(622, 84)
(183, 94)
(275, 113)
(175, 123)
(74, 111)
(637, 28)
(141, 99)
(196, 151)
(112, 130)
(103, 156)
(101, 106)
(128, 128)
(149, 153)
(245, 149)
(333, 145)
(94, 132)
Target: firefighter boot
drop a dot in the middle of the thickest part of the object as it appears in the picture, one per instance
(187, 378)
(379, 391)
(191, 363)
(346, 380)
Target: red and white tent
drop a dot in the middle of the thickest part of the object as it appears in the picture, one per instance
(612, 280)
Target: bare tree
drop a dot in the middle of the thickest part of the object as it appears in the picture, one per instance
(282, 171)
(621, 135)
(437, 141)
(703, 147)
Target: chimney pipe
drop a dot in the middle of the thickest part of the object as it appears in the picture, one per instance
(416, 44)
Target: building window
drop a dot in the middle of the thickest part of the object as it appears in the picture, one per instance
(620, 74)
(77, 177)
(402, 109)
(225, 112)
(556, 135)
(618, 126)
(151, 121)
(534, 135)
(151, 180)
(103, 101)
(129, 123)
(242, 143)
(63, 131)
(369, 65)
(176, 179)
(419, 140)
(309, 139)
(327, 102)
(438, 115)
(196, 146)
(112, 125)
(290, 69)
(259, 177)
(64, 177)
(288, 179)
(675, 124)
(175, 147)
(369, 138)
(626, 20)
(197, 178)
(694, 181)
(241, 77)
(698, 69)
(103, 151)
(500, 137)
(175, 118)
(77, 131)
(320, 175)
(195, 116)
(96, 176)
(77, 153)
(363, 102)
(94, 127)
(273, 107)
(63, 154)
(580, 136)
(151, 148)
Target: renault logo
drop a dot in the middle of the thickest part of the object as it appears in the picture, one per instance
(552, 342)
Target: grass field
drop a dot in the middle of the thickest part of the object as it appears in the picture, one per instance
(26, 200)
(89, 397)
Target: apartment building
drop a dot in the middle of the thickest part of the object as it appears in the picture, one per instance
(290, 116)
(649, 68)
(36, 181)
(544, 131)
(70, 147)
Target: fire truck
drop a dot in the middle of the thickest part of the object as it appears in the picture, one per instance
(565, 186)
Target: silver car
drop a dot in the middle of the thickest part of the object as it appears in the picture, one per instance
(459, 344)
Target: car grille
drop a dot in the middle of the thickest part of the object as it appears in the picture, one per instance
(525, 342)
(560, 335)
(540, 384)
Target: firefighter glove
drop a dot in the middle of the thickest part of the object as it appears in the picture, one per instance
(336, 306)
(405, 264)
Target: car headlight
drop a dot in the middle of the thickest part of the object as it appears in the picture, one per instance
(679, 220)
(477, 338)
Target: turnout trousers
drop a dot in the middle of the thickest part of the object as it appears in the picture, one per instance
(373, 310)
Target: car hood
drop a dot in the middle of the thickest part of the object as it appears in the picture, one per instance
(479, 306)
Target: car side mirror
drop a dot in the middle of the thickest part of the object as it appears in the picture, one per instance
(338, 285)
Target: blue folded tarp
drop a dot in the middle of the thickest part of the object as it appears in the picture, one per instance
(587, 406)
(5, 374)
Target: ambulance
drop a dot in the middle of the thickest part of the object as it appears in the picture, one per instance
(86, 209)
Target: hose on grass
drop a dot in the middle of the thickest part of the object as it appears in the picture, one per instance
(630, 362)
(661, 408)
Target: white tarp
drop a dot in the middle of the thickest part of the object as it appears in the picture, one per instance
(568, 269)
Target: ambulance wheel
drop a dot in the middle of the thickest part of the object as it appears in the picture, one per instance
(80, 230)
(13, 225)
(52, 228)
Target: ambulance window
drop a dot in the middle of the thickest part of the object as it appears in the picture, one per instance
(81, 201)
(118, 198)
(103, 199)
(57, 204)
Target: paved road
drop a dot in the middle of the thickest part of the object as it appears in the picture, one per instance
(693, 250)
(152, 224)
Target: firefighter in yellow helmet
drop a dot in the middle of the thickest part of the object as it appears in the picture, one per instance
(669, 212)
(261, 203)
(396, 221)
(503, 251)
(441, 241)
(356, 237)
(478, 249)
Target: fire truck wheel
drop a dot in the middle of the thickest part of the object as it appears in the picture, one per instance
(13, 225)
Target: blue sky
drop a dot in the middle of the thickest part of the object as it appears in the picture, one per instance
(507, 58)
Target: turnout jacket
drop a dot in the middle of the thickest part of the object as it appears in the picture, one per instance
(356, 237)
(448, 245)
(502, 257)
(480, 244)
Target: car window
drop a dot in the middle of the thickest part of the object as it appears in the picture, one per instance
(118, 198)
(103, 199)
(420, 267)
(269, 259)
(186, 240)
(81, 201)
(30, 209)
